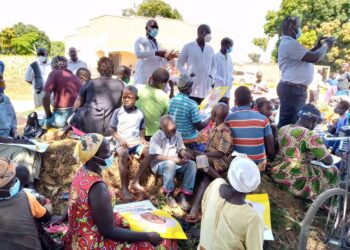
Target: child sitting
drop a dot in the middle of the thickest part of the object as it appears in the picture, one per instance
(218, 151)
(169, 156)
(128, 130)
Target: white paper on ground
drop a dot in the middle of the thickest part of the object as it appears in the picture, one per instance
(36, 147)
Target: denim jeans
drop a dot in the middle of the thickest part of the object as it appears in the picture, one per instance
(168, 169)
(58, 119)
(292, 100)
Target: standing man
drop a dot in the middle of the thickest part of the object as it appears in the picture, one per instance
(343, 80)
(65, 87)
(37, 73)
(315, 86)
(296, 65)
(74, 63)
(150, 56)
(200, 63)
(224, 68)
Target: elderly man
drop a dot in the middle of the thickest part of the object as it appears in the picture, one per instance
(296, 65)
(199, 59)
(343, 80)
(37, 74)
(65, 87)
(74, 63)
(150, 55)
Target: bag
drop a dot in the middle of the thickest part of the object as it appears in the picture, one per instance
(33, 130)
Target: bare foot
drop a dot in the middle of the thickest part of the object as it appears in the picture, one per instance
(135, 185)
(126, 195)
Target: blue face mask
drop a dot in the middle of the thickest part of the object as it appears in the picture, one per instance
(228, 50)
(13, 190)
(108, 162)
(153, 32)
(298, 34)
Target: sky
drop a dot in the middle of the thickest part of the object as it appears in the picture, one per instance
(241, 19)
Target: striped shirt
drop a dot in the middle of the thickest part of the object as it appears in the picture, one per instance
(185, 112)
(249, 128)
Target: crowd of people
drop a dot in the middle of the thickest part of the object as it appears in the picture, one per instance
(157, 119)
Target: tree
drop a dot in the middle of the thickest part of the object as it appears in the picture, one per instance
(254, 57)
(261, 43)
(57, 48)
(23, 39)
(153, 8)
(318, 17)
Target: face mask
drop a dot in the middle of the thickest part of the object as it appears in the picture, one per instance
(153, 32)
(207, 38)
(109, 162)
(42, 59)
(229, 50)
(13, 190)
(126, 80)
(298, 34)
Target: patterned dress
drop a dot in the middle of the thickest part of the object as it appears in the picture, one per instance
(292, 168)
(83, 233)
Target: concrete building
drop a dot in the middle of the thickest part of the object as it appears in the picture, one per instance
(114, 37)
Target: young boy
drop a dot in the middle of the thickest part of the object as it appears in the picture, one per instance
(128, 129)
(169, 156)
(217, 150)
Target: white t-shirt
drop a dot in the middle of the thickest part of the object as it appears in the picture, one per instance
(74, 66)
(290, 53)
(45, 69)
(223, 72)
(147, 61)
(202, 63)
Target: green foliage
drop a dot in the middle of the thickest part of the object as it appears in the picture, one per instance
(254, 57)
(57, 48)
(261, 42)
(22, 39)
(318, 17)
(153, 8)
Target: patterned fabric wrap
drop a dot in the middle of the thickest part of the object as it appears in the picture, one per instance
(292, 168)
(87, 147)
(83, 232)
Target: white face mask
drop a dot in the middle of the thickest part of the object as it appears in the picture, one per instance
(207, 38)
(42, 59)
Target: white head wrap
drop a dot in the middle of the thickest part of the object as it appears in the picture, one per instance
(243, 175)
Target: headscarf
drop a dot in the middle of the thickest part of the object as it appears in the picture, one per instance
(7, 171)
(243, 175)
(59, 62)
(87, 147)
(310, 112)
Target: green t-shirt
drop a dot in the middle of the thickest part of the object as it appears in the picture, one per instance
(154, 103)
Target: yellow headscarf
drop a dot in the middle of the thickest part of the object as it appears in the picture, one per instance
(7, 171)
(87, 147)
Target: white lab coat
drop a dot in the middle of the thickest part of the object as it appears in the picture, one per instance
(223, 72)
(201, 63)
(147, 61)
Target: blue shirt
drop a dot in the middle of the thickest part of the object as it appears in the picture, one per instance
(2, 67)
(8, 119)
(185, 112)
(248, 129)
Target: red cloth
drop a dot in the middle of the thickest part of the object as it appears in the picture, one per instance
(65, 87)
(82, 232)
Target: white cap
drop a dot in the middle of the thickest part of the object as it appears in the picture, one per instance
(243, 175)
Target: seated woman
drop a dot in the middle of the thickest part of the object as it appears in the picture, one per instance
(92, 224)
(9, 135)
(97, 100)
(17, 211)
(299, 145)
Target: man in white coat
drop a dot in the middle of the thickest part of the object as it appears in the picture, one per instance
(150, 55)
(224, 68)
(197, 60)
